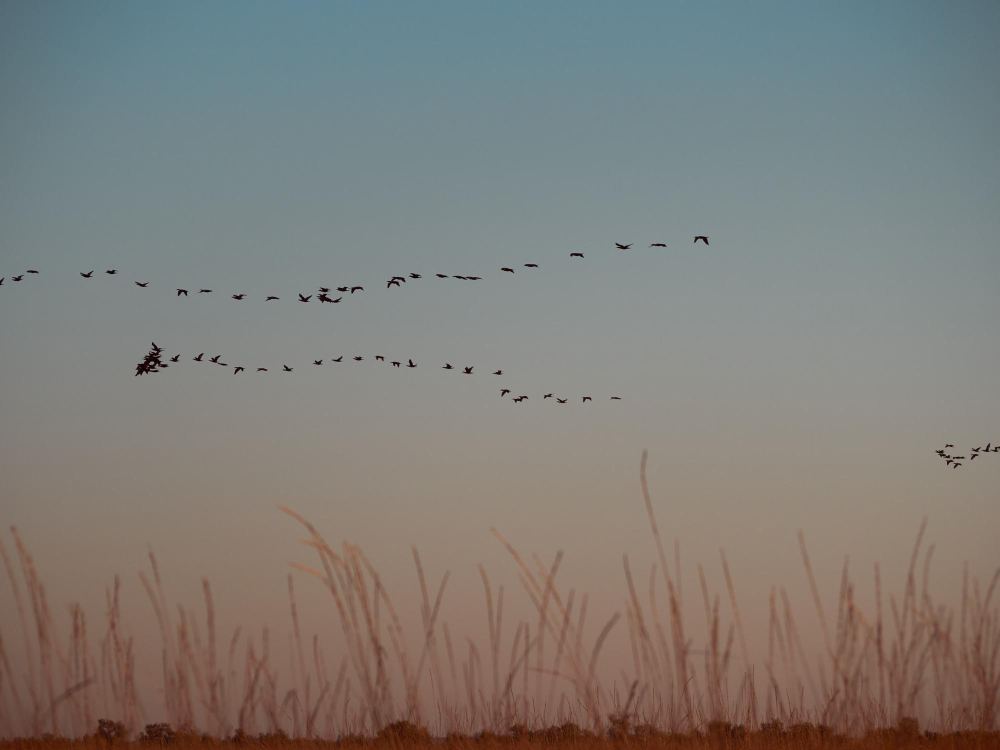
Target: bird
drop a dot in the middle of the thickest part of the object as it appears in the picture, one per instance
(620, 246)
(334, 301)
(955, 465)
(271, 298)
(1, 280)
(441, 275)
(198, 358)
(987, 448)
(204, 291)
(358, 359)
(468, 370)
(508, 270)
(547, 395)
(658, 244)
(338, 359)
(142, 283)
(324, 289)
(17, 278)
(304, 299)
(261, 369)
(223, 364)
(238, 296)
(343, 288)
(561, 400)
(396, 364)
(504, 392)
(391, 282)
(498, 372)
(411, 363)
(216, 358)
(323, 298)
(524, 398)
(473, 278)
(175, 358)
(616, 398)
(379, 358)
(701, 237)
(237, 369)
(357, 289)
(287, 368)
(182, 291)
(87, 275)
(460, 277)
(111, 272)
(415, 276)
(974, 456)
(518, 399)
(576, 255)
(317, 361)
(32, 270)
(949, 461)
(949, 445)
(447, 367)
(531, 265)
(587, 398)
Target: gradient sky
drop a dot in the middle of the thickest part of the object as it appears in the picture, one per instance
(797, 373)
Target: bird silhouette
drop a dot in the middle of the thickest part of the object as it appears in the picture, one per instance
(317, 361)
(287, 368)
(531, 265)
(508, 270)
(498, 372)
(238, 296)
(949, 461)
(343, 288)
(1, 280)
(658, 244)
(955, 465)
(415, 276)
(379, 358)
(357, 289)
(17, 278)
(323, 298)
(204, 291)
(338, 359)
(411, 363)
(396, 364)
(701, 237)
(447, 367)
(561, 400)
(324, 289)
(182, 291)
(620, 246)
(519, 399)
(304, 299)
(111, 272)
(32, 270)
(261, 369)
(576, 255)
(87, 275)
(175, 358)
(441, 275)
(142, 283)
(460, 277)
(390, 283)
(473, 278)
(616, 398)
(949, 445)
(334, 301)
(547, 395)
(198, 358)
(587, 398)
(216, 358)
(237, 369)
(504, 392)
(358, 359)
(468, 370)
(271, 298)
(974, 456)
(399, 278)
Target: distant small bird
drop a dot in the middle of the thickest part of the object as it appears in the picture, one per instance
(317, 361)
(441, 275)
(586, 399)
(182, 291)
(518, 399)
(324, 290)
(576, 255)
(175, 358)
(379, 358)
(238, 296)
(390, 283)
(524, 398)
(198, 358)
(620, 246)
(338, 359)
(287, 368)
(304, 299)
(955, 465)
(87, 275)
(142, 283)
(399, 278)
(396, 364)
(322, 298)
(334, 301)
(658, 244)
(701, 237)
(1, 284)
(498, 372)
(358, 359)
(447, 367)
(508, 270)
(460, 277)
(949, 461)
(17, 278)
(237, 369)
(616, 398)
(949, 445)
(271, 298)
(415, 276)
(561, 400)
(411, 363)
(261, 369)
(473, 278)
(531, 265)
(468, 370)
(987, 448)
(547, 395)
(504, 392)
(32, 270)
(111, 272)
(974, 456)
(343, 288)
(204, 291)
(223, 364)
(216, 358)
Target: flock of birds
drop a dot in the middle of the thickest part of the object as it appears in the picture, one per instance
(324, 293)
(956, 461)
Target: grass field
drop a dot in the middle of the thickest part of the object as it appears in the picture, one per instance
(882, 678)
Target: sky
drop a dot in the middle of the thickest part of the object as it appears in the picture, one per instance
(797, 373)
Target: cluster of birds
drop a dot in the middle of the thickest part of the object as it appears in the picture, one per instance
(154, 362)
(325, 294)
(956, 461)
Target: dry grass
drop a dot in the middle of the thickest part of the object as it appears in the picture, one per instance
(940, 665)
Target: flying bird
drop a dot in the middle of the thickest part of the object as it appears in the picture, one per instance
(508, 270)
(17, 278)
(324, 289)
(238, 296)
(175, 358)
(396, 364)
(504, 392)
(974, 456)
(322, 298)
(701, 237)
(498, 372)
(547, 395)
(287, 368)
(468, 370)
(216, 358)
(415, 276)
(198, 358)
(379, 358)
(271, 298)
(949, 445)
(620, 246)
(531, 265)
(111, 272)
(576, 255)
(304, 299)
(519, 399)
(561, 400)
(441, 275)
(317, 361)
(237, 369)
(338, 359)
(463, 278)
(182, 291)
(658, 244)
(955, 465)
(204, 291)
(473, 278)
(391, 282)
(616, 398)
(411, 363)
(261, 369)
(357, 289)
(358, 359)
(87, 275)
(587, 398)
(32, 270)
(447, 367)
(142, 283)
